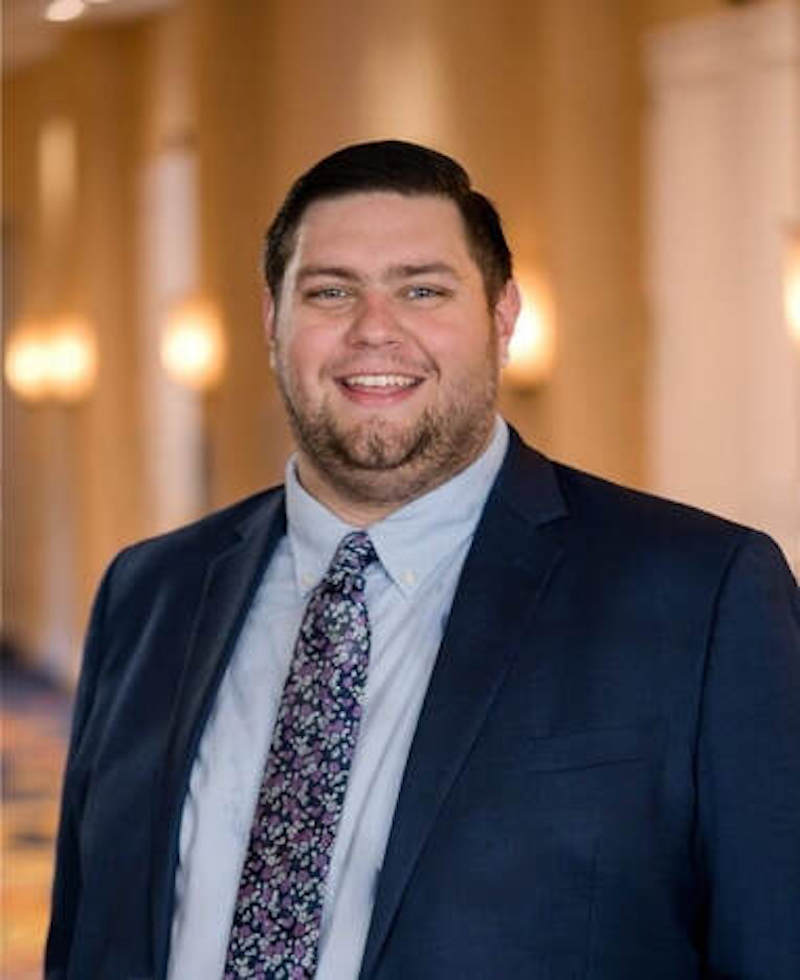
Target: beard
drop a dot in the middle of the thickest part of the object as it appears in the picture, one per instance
(386, 462)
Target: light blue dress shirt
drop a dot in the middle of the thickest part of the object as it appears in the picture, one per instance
(421, 548)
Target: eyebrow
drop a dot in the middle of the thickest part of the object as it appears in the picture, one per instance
(425, 269)
(334, 271)
(403, 271)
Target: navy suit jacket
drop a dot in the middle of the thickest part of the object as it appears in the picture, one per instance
(605, 779)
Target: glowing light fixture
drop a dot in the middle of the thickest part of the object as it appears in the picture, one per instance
(73, 359)
(26, 363)
(55, 362)
(532, 349)
(60, 11)
(791, 282)
(193, 349)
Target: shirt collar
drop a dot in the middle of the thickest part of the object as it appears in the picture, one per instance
(411, 541)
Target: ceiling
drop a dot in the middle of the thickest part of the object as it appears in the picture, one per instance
(28, 37)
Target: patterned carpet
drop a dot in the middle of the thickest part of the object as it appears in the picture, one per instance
(34, 720)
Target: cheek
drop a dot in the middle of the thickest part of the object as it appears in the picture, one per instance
(306, 354)
(462, 352)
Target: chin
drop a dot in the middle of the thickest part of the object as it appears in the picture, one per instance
(376, 458)
(380, 444)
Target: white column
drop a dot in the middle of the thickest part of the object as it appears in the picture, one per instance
(172, 416)
(723, 180)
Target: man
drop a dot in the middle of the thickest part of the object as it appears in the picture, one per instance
(527, 723)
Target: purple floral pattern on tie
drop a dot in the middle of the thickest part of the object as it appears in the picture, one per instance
(276, 923)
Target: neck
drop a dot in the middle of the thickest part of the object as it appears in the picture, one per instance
(355, 512)
(361, 503)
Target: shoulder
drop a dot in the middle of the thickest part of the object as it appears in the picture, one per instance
(684, 546)
(195, 543)
(592, 499)
(618, 526)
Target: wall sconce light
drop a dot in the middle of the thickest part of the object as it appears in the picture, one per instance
(193, 350)
(73, 359)
(791, 282)
(52, 362)
(60, 11)
(26, 363)
(531, 352)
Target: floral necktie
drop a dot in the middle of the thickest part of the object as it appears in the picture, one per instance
(276, 922)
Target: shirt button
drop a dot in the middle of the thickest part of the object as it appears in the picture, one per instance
(307, 581)
(409, 578)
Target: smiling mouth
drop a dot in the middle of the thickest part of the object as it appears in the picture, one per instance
(380, 383)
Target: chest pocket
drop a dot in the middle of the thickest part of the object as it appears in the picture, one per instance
(594, 747)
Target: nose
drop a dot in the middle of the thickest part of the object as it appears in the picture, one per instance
(375, 323)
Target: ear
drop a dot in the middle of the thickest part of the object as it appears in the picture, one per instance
(268, 318)
(506, 311)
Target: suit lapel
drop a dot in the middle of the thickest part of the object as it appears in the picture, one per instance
(232, 577)
(514, 552)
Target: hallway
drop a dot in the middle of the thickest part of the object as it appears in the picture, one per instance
(34, 720)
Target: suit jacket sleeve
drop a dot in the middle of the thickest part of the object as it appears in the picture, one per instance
(67, 880)
(748, 770)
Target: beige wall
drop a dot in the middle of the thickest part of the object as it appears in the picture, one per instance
(542, 101)
(70, 474)
(655, 12)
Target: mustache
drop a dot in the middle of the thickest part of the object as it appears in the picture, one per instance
(383, 364)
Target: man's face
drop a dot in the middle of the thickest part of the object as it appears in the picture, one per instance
(386, 352)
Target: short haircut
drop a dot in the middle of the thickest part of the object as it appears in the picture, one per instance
(404, 168)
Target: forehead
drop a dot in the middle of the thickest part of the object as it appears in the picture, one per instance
(382, 226)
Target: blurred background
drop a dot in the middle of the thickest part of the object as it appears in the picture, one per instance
(645, 156)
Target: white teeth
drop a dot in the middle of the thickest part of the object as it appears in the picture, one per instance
(379, 381)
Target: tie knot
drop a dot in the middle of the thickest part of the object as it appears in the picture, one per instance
(345, 573)
(353, 554)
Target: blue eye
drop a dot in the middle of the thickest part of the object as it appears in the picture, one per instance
(425, 292)
(328, 292)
